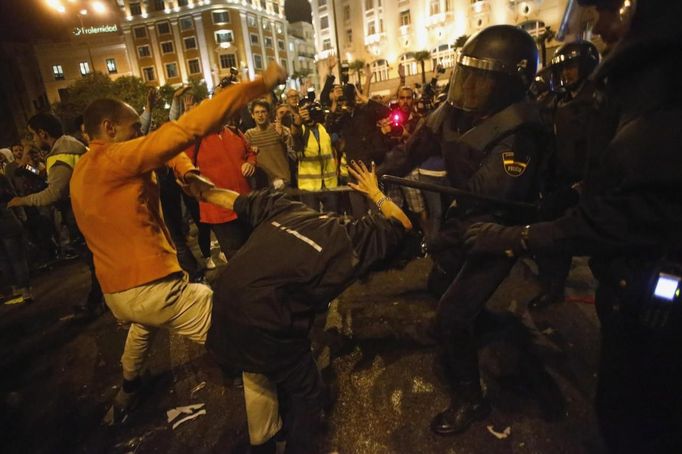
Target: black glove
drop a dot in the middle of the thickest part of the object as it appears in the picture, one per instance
(487, 238)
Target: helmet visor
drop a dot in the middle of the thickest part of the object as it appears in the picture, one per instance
(472, 89)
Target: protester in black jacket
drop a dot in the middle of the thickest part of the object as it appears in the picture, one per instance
(295, 262)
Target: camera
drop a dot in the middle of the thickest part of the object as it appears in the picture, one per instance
(287, 119)
(397, 118)
(32, 169)
(314, 110)
(231, 79)
(310, 95)
(345, 68)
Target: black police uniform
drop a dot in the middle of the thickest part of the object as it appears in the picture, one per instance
(295, 262)
(629, 222)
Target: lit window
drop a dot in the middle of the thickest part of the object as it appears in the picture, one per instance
(228, 61)
(144, 51)
(326, 44)
(405, 18)
(280, 45)
(171, 70)
(254, 39)
(111, 66)
(265, 23)
(258, 61)
(159, 5)
(85, 68)
(148, 73)
(324, 22)
(163, 28)
(268, 42)
(193, 66)
(371, 28)
(221, 17)
(251, 20)
(58, 72)
(224, 36)
(167, 47)
(190, 43)
(186, 23)
(278, 26)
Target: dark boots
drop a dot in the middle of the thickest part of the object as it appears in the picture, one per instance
(467, 405)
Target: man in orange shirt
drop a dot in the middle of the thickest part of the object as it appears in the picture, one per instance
(115, 199)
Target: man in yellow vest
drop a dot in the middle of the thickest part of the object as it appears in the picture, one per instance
(63, 153)
(317, 166)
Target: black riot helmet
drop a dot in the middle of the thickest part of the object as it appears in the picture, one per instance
(494, 69)
(573, 63)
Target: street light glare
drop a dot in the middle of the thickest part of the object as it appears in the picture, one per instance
(83, 12)
(99, 7)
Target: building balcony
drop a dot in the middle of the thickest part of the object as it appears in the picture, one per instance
(405, 30)
(306, 54)
(375, 38)
(439, 19)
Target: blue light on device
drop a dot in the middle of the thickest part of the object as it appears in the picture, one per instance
(666, 286)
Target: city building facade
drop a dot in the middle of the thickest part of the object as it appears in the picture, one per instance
(172, 41)
(389, 33)
(302, 51)
(63, 63)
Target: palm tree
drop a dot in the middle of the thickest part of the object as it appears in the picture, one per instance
(357, 66)
(422, 56)
(459, 42)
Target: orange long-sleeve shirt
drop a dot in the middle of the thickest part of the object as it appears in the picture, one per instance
(115, 195)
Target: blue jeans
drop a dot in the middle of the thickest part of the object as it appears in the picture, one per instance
(434, 204)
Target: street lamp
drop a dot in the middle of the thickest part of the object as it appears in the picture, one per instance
(97, 7)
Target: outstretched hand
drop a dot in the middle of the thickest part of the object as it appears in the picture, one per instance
(366, 179)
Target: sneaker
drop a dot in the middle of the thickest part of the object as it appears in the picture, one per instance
(222, 257)
(123, 404)
(210, 264)
(26, 294)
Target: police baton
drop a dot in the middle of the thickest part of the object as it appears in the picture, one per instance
(526, 208)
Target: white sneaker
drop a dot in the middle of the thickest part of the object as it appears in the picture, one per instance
(222, 257)
(210, 264)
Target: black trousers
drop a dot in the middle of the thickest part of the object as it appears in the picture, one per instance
(638, 402)
(231, 236)
(171, 205)
(204, 230)
(328, 200)
(301, 392)
(458, 311)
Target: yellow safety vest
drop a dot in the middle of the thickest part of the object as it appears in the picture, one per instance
(316, 163)
(67, 158)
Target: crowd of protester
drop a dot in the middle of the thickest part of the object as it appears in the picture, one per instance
(228, 168)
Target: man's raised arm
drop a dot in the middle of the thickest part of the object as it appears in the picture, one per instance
(154, 150)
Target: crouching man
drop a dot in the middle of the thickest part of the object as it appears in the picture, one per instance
(294, 263)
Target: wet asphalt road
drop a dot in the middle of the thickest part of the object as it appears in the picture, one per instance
(539, 370)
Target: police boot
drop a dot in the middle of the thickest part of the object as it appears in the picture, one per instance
(467, 405)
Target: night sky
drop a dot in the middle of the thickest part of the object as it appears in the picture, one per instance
(31, 20)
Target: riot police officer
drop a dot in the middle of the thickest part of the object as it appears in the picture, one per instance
(492, 141)
(573, 112)
(629, 221)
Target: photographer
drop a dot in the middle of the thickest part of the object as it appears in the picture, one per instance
(13, 264)
(317, 170)
(354, 119)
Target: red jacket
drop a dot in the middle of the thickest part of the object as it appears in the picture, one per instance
(220, 159)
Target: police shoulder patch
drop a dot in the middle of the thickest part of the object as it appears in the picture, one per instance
(513, 166)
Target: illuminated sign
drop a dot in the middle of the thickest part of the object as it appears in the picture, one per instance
(80, 31)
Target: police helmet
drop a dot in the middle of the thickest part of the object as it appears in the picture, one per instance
(494, 69)
(573, 63)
